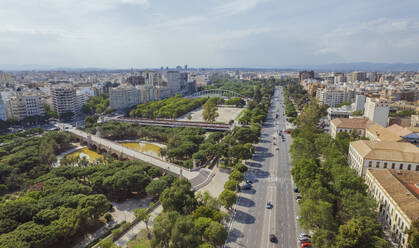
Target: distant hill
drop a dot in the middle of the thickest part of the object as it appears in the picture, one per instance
(341, 67)
(361, 66)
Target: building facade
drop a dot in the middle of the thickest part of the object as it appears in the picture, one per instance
(377, 110)
(365, 154)
(3, 110)
(124, 97)
(25, 104)
(396, 193)
(356, 125)
(64, 99)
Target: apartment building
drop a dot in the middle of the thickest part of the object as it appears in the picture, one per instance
(397, 195)
(377, 110)
(331, 97)
(342, 112)
(360, 102)
(124, 96)
(64, 99)
(414, 121)
(3, 110)
(25, 104)
(339, 125)
(366, 154)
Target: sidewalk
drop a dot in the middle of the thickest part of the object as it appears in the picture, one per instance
(216, 186)
(130, 235)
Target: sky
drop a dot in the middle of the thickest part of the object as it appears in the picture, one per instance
(207, 33)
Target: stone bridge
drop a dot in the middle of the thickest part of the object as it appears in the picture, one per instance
(118, 151)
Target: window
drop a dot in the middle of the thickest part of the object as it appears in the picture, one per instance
(369, 163)
(401, 167)
(385, 165)
(417, 167)
(393, 165)
(408, 167)
(377, 164)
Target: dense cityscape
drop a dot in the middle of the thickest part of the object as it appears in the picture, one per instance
(114, 158)
(209, 124)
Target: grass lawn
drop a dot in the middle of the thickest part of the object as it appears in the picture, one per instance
(141, 241)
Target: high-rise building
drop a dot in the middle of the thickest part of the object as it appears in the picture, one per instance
(377, 110)
(333, 97)
(3, 111)
(25, 104)
(174, 81)
(124, 97)
(359, 102)
(305, 75)
(64, 99)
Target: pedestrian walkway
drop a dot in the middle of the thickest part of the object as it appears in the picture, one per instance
(172, 168)
(130, 235)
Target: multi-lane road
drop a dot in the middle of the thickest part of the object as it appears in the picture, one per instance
(270, 170)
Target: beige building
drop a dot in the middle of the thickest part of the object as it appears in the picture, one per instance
(397, 195)
(25, 104)
(348, 125)
(124, 97)
(365, 154)
(377, 132)
(414, 121)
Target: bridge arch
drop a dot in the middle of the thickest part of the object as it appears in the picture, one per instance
(216, 92)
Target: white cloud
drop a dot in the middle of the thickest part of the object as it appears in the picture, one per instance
(233, 7)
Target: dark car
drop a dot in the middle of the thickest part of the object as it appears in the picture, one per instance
(273, 238)
(269, 205)
(247, 186)
(298, 197)
(296, 190)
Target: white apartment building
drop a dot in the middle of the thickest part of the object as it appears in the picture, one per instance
(174, 81)
(359, 103)
(342, 112)
(25, 104)
(3, 110)
(365, 154)
(162, 92)
(396, 193)
(124, 97)
(330, 97)
(64, 99)
(377, 110)
(148, 93)
(82, 98)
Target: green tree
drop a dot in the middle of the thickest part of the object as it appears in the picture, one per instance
(236, 175)
(227, 198)
(359, 232)
(184, 233)
(414, 234)
(317, 214)
(232, 185)
(210, 110)
(142, 214)
(162, 229)
(216, 233)
(179, 197)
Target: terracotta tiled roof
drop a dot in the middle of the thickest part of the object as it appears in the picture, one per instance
(354, 123)
(382, 133)
(398, 130)
(399, 185)
(387, 151)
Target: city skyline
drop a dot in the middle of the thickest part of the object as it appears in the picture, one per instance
(247, 33)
